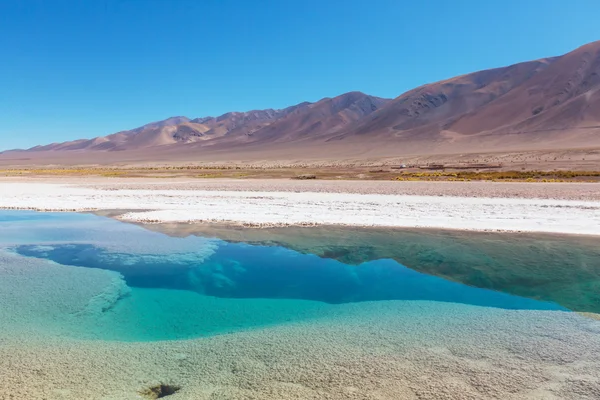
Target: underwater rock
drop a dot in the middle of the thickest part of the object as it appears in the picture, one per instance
(159, 391)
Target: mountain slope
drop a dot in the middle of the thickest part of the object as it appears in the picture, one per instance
(325, 117)
(245, 123)
(320, 118)
(538, 100)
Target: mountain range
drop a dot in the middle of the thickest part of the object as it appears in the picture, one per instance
(549, 103)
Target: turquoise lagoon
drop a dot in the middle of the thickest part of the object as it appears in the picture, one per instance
(146, 285)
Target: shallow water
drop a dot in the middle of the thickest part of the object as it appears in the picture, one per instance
(150, 286)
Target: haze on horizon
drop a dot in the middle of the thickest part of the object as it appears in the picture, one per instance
(74, 70)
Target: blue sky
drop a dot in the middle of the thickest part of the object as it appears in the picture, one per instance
(79, 68)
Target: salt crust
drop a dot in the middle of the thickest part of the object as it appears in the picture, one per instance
(288, 208)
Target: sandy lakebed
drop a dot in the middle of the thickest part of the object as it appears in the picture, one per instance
(393, 349)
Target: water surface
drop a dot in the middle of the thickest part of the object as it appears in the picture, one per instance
(168, 287)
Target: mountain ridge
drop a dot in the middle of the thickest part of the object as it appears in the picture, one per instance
(552, 102)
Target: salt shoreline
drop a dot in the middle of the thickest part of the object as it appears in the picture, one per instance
(305, 208)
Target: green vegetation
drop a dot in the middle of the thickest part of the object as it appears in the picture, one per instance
(517, 176)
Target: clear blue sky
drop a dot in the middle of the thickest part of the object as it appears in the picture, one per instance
(73, 69)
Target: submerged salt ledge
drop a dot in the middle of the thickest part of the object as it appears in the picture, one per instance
(286, 208)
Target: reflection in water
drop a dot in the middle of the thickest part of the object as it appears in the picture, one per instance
(327, 264)
(250, 271)
(564, 269)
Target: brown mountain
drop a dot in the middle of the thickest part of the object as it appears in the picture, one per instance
(327, 115)
(320, 119)
(244, 123)
(550, 103)
(152, 134)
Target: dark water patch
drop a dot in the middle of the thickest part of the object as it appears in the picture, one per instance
(139, 271)
(238, 270)
(558, 268)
